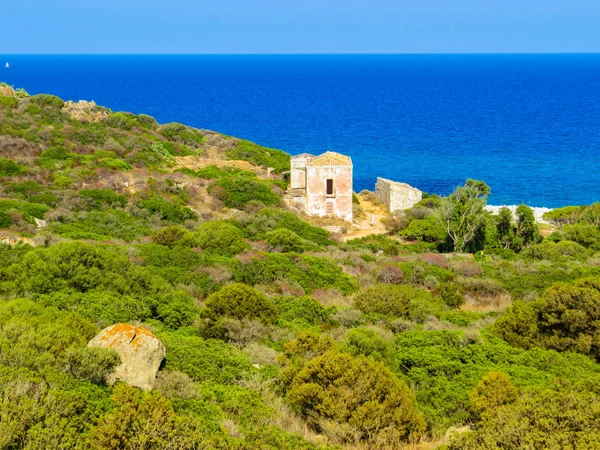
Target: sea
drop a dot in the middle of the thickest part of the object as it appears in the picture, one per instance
(528, 125)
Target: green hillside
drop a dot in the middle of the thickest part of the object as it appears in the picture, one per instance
(278, 335)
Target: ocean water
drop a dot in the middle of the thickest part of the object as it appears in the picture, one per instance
(529, 125)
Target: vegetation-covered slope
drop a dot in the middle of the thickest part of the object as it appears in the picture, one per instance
(277, 334)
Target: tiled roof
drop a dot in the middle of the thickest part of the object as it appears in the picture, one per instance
(303, 155)
(331, 159)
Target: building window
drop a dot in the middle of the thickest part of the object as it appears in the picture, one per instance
(329, 187)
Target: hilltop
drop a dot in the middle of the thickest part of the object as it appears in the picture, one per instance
(449, 327)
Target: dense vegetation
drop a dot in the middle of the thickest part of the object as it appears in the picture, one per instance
(277, 335)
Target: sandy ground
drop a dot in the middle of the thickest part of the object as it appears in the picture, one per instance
(362, 227)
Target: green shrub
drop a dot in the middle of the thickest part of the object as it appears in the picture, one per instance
(284, 240)
(8, 168)
(102, 198)
(166, 210)
(302, 311)
(427, 230)
(357, 394)
(452, 294)
(565, 318)
(220, 237)
(268, 219)
(102, 225)
(241, 302)
(310, 272)
(493, 391)
(397, 301)
(367, 342)
(182, 133)
(5, 220)
(238, 190)
(260, 156)
(171, 236)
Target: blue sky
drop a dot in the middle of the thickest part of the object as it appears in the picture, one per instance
(306, 26)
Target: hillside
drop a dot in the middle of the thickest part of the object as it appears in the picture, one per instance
(450, 328)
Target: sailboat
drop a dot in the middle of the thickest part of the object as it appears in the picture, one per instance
(6, 66)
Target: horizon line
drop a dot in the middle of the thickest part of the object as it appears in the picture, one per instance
(308, 54)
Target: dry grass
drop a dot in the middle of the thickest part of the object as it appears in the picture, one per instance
(487, 303)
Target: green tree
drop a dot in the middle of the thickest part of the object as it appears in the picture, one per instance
(527, 230)
(462, 213)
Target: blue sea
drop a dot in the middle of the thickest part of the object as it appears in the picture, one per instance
(529, 125)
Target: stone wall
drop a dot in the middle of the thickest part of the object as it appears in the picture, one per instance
(396, 196)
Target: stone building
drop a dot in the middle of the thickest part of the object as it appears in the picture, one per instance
(321, 185)
(396, 196)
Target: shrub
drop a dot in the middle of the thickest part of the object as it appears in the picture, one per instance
(367, 342)
(358, 394)
(220, 237)
(102, 225)
(390, 274)
(493, 391)
(102, 198)
(8, 168)
(427, 230)
(268, 219)
(565, 318)
(395, 301)
(241, 302)
(451, 293)
(304, 311)
(238, 190)
(170, 236)
(181, 133)
(166, 210)
(260, 156)
(284, 240)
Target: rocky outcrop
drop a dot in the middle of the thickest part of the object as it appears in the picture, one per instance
(141, 354)
(84, 111)
(6, 90)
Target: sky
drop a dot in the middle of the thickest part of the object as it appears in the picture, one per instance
(299, 26)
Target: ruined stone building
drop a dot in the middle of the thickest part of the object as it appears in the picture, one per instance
(396, 196)
(321, 185)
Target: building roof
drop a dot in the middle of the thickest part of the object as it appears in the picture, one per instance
(331, 159)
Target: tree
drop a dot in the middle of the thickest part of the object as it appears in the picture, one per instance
(505, 228)
(462, 213)
(527, 230)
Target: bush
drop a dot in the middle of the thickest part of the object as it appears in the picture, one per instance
(303, 311)
(427, 230)
(171, 236)
(396, 301)
(240, 302)
(284, 240)
(452, 294)
(166, 210)
(267, 219)
(493, 391)
(390, 274)
(357, 394)
(181, 133)
(102, 225)
(220, 237)
(367, 342)
(239, 190)
(260, 156)
(565, 318)
(8, 168)
(102, 198)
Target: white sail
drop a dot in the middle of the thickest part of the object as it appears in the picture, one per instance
(7, 66)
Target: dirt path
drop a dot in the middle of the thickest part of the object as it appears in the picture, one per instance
(362, 227)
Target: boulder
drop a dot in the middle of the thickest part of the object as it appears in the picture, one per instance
(84, 111)
(6, 90)
(141, 354)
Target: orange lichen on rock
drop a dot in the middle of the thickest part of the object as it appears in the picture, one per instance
(140, 351)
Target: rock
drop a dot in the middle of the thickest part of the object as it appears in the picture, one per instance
(141, 354)
(6, 91)
(453, 432)
(335, 229)
(84, 111)
(40, 223)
